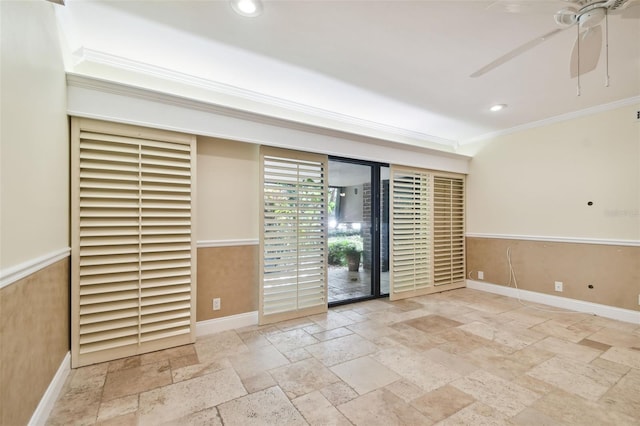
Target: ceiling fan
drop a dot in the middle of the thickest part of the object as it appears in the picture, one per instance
(587, 15)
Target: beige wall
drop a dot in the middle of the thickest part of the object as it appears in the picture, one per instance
(34, 172)
(34, 212)
(228, 196)
(34, 338)
(538, 182)
(613, 271)
(227, 190)
(228, 273)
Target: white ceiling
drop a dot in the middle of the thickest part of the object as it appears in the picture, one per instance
(400, 65)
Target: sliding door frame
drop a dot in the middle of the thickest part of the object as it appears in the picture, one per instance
(376, 189)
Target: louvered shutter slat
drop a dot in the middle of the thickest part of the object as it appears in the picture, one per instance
(293, 243)
(410, 222)
(133, 240)
(449, 225)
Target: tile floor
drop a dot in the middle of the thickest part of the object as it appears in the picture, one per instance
(463, 357)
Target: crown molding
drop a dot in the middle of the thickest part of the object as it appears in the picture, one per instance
(102, 58)
(101, 85)
(557, 119)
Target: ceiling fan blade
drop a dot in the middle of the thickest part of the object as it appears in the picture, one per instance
(528, 7)
(632, 11)
(590, 47)
(515, 52)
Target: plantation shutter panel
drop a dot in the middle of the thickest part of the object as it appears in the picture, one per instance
(426, 232)
(133, 251)
(410, 232)
(448, 238)
(293, 241)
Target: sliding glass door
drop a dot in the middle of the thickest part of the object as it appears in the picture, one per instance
(358, 255)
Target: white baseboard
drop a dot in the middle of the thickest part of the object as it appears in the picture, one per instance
(226, 323)
(612, 312)
(41, 414)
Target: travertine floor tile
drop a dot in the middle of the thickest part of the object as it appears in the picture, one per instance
(505, 396)
(253, 339)
(190, 396)
(87, 378)
(414, 338)
(571, 409)
(624, 356)
(453, 362)
(506, 365)
(476, 414)
(251, 363)
(459, 357)
(317, 410)
(130, 419)
(219, 345)
(432, 323)
(184, 361)
(294, 324)
(332, 320)
(296, 355)
(616, 337)
(135, 380)
(619, 369)
(416, 368)
(335, 351)
(292, 339)
(461, 342)
(364, 374)
(624, 396)
(208, 417)
(124, 363)
(258, 382)
(267, 407)
(338, 393)
(586, 380)
(568, 350)
(571, 332)
(442, 402)
(405, 390)
(118, 407)
(532, 417)
(167, 354)
(332, 333)
(303, 377)
(80, 408)
(515, 341)
(197, 370)
(382, 407)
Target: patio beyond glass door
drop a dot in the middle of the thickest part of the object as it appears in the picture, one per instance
(356, 224)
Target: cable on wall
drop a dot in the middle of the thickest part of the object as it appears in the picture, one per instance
(512, 278)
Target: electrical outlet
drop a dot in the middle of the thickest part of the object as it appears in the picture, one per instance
(558, 285)
(639, 300)
(480, 275)
(216, 304)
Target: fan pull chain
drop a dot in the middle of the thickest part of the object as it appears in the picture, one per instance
(578, 40)
(606, 48)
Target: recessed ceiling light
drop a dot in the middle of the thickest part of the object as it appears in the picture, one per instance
(249, 8)
(497, 107)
